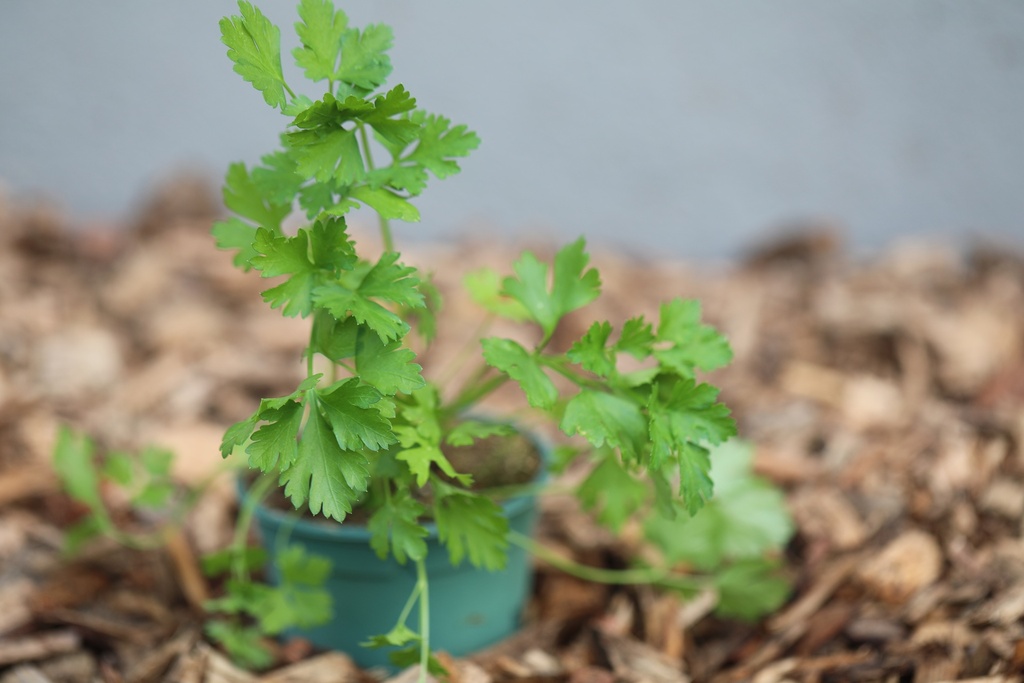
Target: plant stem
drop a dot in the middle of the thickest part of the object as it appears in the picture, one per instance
(385, 226)
(421, 584)
(256, 494)
(474, 392)
(653, 575)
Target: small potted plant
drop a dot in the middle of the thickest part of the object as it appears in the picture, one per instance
(368, 441)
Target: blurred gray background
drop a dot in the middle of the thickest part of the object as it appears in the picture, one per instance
(662, 127)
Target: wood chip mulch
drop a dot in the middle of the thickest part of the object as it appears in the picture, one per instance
(884, 395)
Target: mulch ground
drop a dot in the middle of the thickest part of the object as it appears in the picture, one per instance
(885, 396)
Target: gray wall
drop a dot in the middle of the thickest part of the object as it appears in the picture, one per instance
(662, 126)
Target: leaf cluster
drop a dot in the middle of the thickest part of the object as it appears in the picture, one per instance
(143, 480)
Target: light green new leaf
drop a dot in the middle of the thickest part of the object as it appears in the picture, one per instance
(607, 419)
(254, 45)
(574, 285)
(395, 528)
(694, 345)
(472, 526)
(234, 233)
(484, 286)
(440, 143)
(246, 197)
(277, 180)
(320, 31)
(421, 458)
(522, 366)
(365, 64)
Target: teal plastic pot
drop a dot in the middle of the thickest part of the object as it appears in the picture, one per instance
(470, 608)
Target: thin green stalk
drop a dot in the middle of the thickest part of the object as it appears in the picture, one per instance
(256, 494)
(385, 225)
(421, 583)
(653, 575)
(474, 393)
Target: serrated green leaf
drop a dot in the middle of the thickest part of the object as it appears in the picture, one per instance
(235, 233)
(328, 155)
(278, 182)
(440, 143)
(244, 195)
(603, 418)
(387, 118)
(275, 443)
(694, 345)
(365, 64)
(636, 339)
(243, 644)
(421, 458)
(312, 257)
(317, 477)
(386, 280)
(254, 45)
(320, 31)
(572, 286)
(472, 526)
(302, 568)
(591, 350)
(389, 368)
(351, 410)
(522, 366)
(395, 528)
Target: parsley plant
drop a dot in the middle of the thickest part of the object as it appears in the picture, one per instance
(371, 431)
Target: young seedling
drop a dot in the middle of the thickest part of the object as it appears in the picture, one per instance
(371, 431)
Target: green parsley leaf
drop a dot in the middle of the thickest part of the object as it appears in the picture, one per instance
(750, 589)
(693, 345)
(440, 143)
(320, 31)
(389, 368)
(364, 62)
(591, 351)
(73, 460)
(636, 339)
(572, 285)
(254, 45)
(351, 409)
(614, 493)
(395, 527)
(522, 366)
(746, 518)
(388, 204)
(471, 526)
(387, 280)
(603, 418)
(484, 286)
(276, 442)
